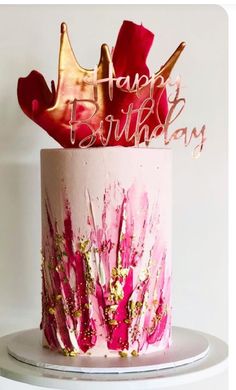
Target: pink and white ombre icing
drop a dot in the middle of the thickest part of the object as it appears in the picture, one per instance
(106, 250)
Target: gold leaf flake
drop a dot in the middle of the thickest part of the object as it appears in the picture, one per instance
(123, 354)
(73, 353)
(77, 313)
(65, 352)
(113, 322)
(51, 310)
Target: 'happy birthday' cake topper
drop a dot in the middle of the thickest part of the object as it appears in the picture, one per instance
(116, 103)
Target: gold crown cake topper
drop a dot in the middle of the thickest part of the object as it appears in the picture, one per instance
(107, 106)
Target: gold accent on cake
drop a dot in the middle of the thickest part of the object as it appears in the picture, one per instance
(134, 353)
(113, 322)
(84, 247)
(51, 310)
(123, 354)
(73, 353)
(78, 313)
(118, 275)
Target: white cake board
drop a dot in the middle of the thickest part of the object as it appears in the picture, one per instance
(210, 360)
(187, 346)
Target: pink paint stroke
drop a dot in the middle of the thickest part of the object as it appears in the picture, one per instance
(77, 318)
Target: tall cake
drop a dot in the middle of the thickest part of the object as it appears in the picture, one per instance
(106, 250)
(106, 200)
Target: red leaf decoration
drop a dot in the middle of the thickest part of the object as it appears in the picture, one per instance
(131, 50)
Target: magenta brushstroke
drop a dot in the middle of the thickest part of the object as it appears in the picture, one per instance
(80, 307)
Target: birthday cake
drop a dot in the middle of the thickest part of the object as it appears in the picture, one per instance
(106, 201)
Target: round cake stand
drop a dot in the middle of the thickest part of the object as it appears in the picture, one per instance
(193, 356)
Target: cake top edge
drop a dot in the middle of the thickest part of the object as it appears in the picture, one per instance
(110, 149)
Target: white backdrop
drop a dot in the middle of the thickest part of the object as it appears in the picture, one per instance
(29, 39)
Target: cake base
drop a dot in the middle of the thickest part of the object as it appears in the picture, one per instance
(214, 363)
(187, 347)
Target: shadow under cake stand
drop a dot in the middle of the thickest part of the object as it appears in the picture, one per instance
(192, 356)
